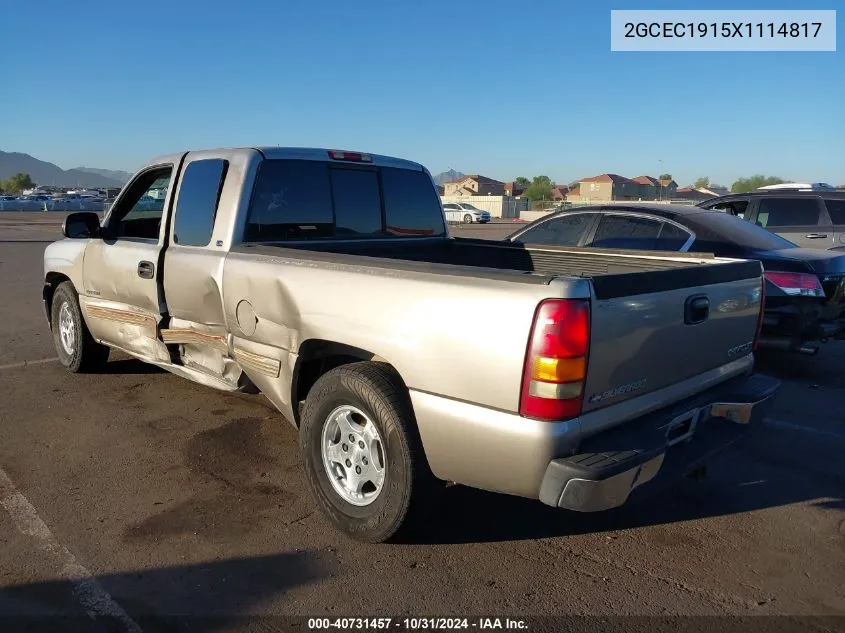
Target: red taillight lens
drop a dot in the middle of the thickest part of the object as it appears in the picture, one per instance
(556, 360)
(760, 315)
(798, 284)
(356, 157)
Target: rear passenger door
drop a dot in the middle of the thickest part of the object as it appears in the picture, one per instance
(836, 213)
(800, 219)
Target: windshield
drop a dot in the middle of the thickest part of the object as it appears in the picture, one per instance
(469, 207)
(733, 230)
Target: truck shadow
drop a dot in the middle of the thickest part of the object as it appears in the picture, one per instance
(785, 468)
(201, 597)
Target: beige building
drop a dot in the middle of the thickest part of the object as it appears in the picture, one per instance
(605, 187)
(474, 185)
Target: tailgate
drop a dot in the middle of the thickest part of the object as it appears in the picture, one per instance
(654, 329)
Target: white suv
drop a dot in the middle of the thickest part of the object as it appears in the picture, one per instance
(465, 212)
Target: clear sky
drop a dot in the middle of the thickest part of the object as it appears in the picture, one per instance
(482, 86)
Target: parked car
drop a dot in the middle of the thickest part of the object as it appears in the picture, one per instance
(465, 212)
(328, 281)
(813, 217)
(804, 290)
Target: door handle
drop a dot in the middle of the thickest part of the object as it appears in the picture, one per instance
(816, 236)
(146, 270)
(696, 309)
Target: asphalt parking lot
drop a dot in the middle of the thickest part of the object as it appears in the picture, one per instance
(148, 495)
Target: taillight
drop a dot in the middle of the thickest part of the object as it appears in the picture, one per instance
(556, 361)
(760, 315)
(797, 284)
(355, 157)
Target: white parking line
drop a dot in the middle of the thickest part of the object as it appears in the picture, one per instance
(40, 361)
(790, 426)
(94, 599)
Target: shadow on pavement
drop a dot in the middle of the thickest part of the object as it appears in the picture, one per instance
(774, 470)
(204, 597)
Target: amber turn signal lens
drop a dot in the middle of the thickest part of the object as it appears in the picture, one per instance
(559, 369)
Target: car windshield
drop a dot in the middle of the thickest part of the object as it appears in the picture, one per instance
(736, 231)
(469, 207)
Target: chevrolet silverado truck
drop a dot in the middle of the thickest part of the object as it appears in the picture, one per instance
(408, 358)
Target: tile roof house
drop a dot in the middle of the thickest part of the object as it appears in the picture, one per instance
(514, 189)
(474, 185)
(607, 187)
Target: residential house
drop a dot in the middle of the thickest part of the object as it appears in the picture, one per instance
(514, 189)
(474, 185)
(559, 192)
(668, 189)
(606, 187)
(691, 193)
(441, 190)
(649, 187)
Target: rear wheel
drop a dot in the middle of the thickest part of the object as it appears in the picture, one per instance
(363, 459)
(467, 219)
(76, 348)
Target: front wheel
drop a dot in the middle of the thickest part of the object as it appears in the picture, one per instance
(363, 459)
(467, 219)
(76, 348)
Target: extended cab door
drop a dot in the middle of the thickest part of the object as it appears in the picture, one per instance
(204, 213)
(122, 297)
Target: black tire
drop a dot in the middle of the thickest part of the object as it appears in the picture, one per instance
(86, 355)
(467, 219)
(409, 486)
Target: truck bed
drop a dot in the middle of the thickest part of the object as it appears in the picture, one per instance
(614, 273)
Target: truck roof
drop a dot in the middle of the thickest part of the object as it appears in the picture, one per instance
(299, 153)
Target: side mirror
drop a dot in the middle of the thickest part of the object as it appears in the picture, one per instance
(81, 225)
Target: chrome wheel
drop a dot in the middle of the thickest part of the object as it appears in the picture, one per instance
(467, 219)
(353, 455)
(67, 329)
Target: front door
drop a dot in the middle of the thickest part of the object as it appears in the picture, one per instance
(122, 297)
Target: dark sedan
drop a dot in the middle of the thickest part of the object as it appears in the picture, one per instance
(805, 289)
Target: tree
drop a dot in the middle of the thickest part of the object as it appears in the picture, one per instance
(702, 183)
(744, 185)
(539, 189)
(522, 181)
(665, 176)
(17, 183)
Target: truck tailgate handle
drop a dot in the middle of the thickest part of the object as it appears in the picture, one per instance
(146, 270)
(696, 309)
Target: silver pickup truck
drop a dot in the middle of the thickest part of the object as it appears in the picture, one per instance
(407, 358)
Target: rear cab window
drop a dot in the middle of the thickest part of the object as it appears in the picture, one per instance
(304, 199)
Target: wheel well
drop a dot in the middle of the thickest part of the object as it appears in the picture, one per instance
(316, 357)
(51, 282)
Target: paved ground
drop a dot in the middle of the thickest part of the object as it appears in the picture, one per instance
(143, 494)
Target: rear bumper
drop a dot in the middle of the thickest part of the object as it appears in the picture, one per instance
(663, 445)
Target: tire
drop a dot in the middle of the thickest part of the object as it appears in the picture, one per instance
(78, 352)
(376, 391)
(467, 219)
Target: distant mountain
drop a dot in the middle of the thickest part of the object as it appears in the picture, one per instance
(446, 176)
(48, 174)
(111, 174)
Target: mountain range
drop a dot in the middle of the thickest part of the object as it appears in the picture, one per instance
(446, 176)
(48, 174)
